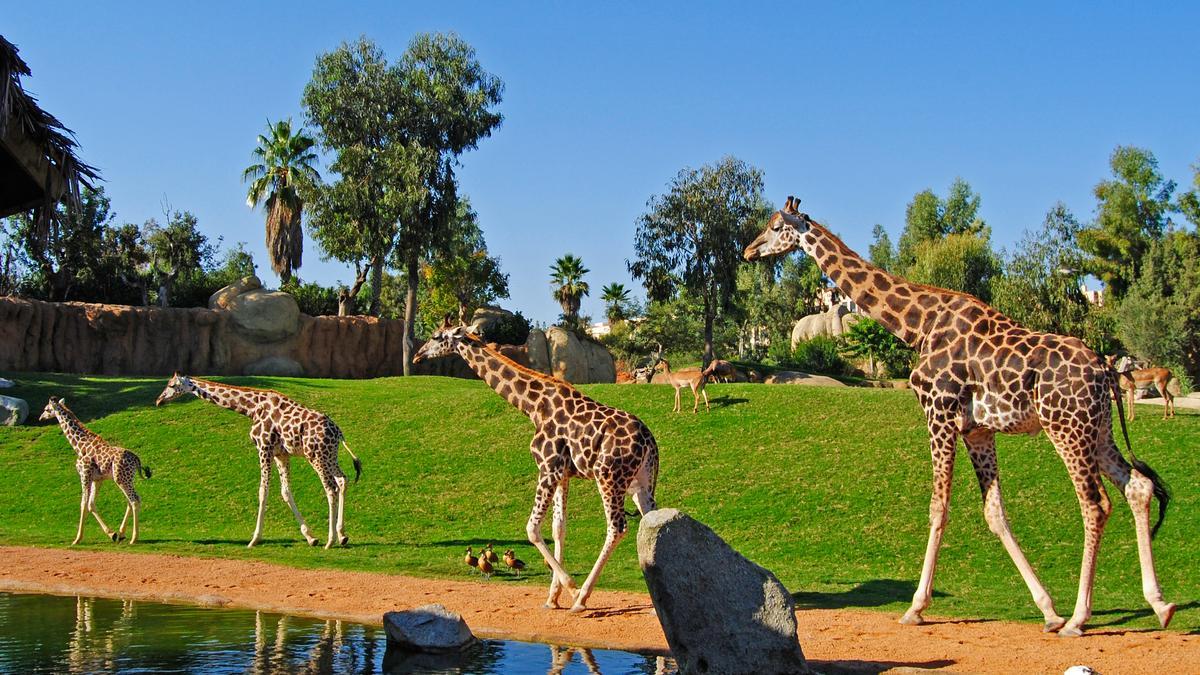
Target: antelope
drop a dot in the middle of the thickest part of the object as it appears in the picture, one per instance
(1133, 381)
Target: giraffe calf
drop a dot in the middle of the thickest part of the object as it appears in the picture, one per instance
(96, 461)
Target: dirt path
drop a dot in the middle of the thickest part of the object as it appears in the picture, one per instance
(840, 640)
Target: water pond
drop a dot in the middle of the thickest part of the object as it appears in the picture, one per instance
(63, 634)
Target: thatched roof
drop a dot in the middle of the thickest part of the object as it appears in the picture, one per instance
(38, 166)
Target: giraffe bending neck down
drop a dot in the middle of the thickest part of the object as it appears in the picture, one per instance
(979, 374)
(576, 437)
(281, 428)
(96, 461)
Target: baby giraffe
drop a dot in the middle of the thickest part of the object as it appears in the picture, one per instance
(97, 461)
(576, 438)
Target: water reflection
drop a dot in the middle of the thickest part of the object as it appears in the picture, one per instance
(53, 634)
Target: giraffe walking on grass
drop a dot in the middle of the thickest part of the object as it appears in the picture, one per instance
(280, 429)
(576, 437)
(979, 374)
(96, 461)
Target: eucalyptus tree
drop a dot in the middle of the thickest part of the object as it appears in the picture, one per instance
(464, 274)
(568, 286)
(283, 173)
(692, 236)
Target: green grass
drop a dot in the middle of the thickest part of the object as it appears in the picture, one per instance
(828, 488)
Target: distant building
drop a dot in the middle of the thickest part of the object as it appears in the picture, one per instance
(1094, 297)
(599, 329)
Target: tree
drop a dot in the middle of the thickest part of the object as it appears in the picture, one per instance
(693, 235)
(65, 251)
(282, 173)
(354, 100)
(464, 273)
(881, 252)
(868, 339)
(450, 103)
(177, 250)
(930, 218)
(568, 286)
(960, 262)
(616, 301)
(1040, 287)
(1132, 212)
(1189, 202)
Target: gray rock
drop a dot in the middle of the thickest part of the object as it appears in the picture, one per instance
(13, 411)
(834, 321)
(278, 366)
(265, 316)
(6, 383)
(567, 360)
(429, 628)
(223, 298)
(602, 367)
(720, 612)
(539, 351)
(485, 317)
(797, 377)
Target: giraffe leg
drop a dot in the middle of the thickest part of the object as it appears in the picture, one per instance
(83, 509)
(1138, 490)
(981, 445)
(329, 482)
(559, 529)
(132, 501)
(942, 439)
(91, 504)
(1095, 508)
(283, 464)
(341, 510)
(548, 483)
(264, 480)
(614, 510)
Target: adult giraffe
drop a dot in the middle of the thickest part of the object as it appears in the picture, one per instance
(978, 374)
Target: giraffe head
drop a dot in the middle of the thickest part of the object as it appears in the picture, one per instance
(443, 342)
(784, 232)
(176, 387)
(50, 412)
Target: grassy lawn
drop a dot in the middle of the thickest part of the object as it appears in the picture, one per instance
(828, 488)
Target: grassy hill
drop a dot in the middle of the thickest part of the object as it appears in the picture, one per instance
(828, 488)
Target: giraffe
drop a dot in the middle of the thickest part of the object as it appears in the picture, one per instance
(576, 437)
(979, 374)
(97, 460)
(280, 429)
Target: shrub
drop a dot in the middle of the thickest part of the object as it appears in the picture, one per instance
(821, 354)
(313, 298)
(508, 330)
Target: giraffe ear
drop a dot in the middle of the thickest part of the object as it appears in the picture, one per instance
(446, 323)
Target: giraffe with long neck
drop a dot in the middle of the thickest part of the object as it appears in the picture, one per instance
(576, 437)
(96, 460)
(979, 374)
(281, 428)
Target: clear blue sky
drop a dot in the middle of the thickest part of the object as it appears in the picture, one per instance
(855, 109)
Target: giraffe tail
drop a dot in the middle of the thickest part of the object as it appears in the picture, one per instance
(145, 470)
(1162, 492)
(357, 461)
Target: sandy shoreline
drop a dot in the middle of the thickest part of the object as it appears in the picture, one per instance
(841, 640)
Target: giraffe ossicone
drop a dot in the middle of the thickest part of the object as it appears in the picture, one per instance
(979, 373)
(96, 460)
(576, 437)
(281, 428)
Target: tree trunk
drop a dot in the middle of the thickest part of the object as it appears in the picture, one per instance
(347, 296)
(376, 287)
(410, 310)
(708, 333)
(462, 313)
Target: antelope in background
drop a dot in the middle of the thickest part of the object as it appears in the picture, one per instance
(1133, 381)
(692, 378)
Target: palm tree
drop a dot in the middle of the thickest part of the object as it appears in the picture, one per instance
(615, 297)
(566, 275)
(282, 173)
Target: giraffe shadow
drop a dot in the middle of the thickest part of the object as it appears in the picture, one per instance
(497, 543)
(1122, 616)
(859, 667)
(872, 593)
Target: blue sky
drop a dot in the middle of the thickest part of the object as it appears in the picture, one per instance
(853, 108)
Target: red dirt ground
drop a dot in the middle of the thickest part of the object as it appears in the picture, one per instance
(833, 640)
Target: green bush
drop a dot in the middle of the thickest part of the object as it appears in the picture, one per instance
(508, 330)
(313, 298)
(821, 354)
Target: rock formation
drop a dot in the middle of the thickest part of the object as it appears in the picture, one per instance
(429, 628)
(833, 322)
(13, 411)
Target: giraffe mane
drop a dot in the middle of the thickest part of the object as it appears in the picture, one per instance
(238, 387)
(478, 341)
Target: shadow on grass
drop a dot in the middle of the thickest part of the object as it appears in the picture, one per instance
(873, 593)
(726, 401)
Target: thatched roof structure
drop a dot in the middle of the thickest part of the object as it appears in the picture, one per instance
(38, 166)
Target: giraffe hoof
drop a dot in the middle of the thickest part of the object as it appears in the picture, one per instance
(114, 536)
(1053, 625)
(1070, 632)
(577, 609)
(912, 618)
(314, 542)
(344, 540)
(1164, 615)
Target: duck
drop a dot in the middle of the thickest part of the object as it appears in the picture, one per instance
(485, 567)
(490, 554)
(513, 562)
(470, 559)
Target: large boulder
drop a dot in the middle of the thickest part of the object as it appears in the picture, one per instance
(485, 317)
(720, 612)
(429, 628)
(797, 377)
(13, 411)
(258, 315)
(832, 322)
(6, 383)
(601, 365)
(567, 359)
(538, 349)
